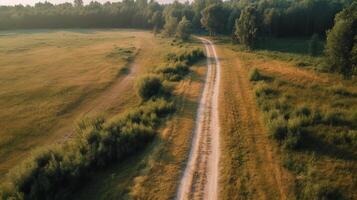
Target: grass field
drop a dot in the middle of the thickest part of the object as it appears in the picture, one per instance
(50, 79)
(319, 161)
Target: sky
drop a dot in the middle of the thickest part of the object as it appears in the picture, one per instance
(32, 2)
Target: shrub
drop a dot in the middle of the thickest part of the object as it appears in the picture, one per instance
(292, 141)
(149, 86)
(302, 110)
(294, 136)
(54, 172)
(342, 138)
(264, 90)
(334, 118)
(189, 56)
(278, 129)
(174, 72)
(255, 75)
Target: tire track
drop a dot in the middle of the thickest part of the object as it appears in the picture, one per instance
(200, 178)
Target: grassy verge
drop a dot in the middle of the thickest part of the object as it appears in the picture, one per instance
(314, 125)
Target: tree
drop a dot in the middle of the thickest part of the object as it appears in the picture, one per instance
(341, 42)
(184, 29)
(78, 3)
(246, 27)
(157, 21)
(314, 45)
(170, 26)
(214, 18)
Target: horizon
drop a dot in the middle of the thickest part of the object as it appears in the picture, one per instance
(33, 2)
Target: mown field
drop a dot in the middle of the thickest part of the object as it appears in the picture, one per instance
(287, 119)
(50, 79)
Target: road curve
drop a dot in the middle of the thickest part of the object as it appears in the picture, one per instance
(200, 178)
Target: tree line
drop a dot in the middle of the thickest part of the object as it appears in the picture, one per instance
(274, 17)
(244, 20)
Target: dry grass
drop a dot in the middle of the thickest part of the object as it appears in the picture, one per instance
(154, 174)
(250, 165)
(51, 78)
(320, 106)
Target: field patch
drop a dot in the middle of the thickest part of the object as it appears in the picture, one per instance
(50, 78)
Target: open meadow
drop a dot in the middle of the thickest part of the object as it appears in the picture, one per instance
(50, 79)
(194, 100)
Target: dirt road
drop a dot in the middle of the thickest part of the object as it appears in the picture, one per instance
(200, 178)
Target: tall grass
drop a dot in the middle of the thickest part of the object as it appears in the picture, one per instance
(306, 126)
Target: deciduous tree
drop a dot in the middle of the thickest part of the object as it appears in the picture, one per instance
(184, 29)
(246, 27)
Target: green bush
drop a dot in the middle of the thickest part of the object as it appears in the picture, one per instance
(174, 72)
(149, 86)
(189, 56)
(54, 172)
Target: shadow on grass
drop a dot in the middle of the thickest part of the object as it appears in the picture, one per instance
(317, 145)
(288, 45)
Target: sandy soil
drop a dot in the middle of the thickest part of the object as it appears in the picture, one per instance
(200, 178)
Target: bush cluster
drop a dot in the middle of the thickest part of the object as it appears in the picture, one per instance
(150, 86)
(188, 57)
(178, 64)
(53, 173)
(174, 72)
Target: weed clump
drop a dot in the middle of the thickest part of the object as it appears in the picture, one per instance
(187, 56)
(264, 90)
(255, 75)
(340, 90)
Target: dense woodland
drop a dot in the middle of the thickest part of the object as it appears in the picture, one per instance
(245, 20)
(276, 17)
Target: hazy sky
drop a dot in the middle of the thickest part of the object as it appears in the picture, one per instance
(32, 2)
